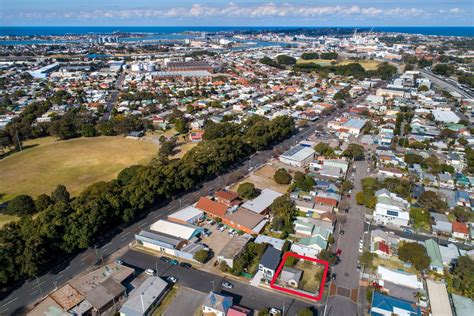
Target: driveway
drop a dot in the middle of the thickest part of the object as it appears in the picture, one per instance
(186, 302)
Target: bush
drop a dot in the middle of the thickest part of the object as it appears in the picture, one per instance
(224, 267)
(21, 205)
(201, 256)
(247, 190)
(414, 253)
(285, 60)
(282, 176)
(291, 261)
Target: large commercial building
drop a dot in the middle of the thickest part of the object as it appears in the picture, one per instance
(298, 156)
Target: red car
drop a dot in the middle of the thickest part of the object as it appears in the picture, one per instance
(338, 252)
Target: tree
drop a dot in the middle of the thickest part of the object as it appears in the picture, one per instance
(21, 205)
(264, 312)
(224, 267)
(282, 176)
(329, 55)
(324, 149)
(201, 256)
(309, 56)
(42, 202)
(423, 88)
(414, 253)
(431, 202)
(285, 60)
(60, 194)
(306, 312)
(420, 217)
(180, 126)
(328, 256)
(88, 130)
(367, 259)
(461, 278)
(354, 151)
(247, 190)
(385, 71)
(291, 261)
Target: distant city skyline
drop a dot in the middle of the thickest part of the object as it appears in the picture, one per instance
(237, 13)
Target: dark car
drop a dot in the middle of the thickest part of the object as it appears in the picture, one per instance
(165, 259)
(333, 277)
(341, 232)
(185, 265)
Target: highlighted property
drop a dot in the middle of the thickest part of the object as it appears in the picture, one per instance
(301, 276)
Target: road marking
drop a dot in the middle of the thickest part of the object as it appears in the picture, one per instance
(143, 224)
(67, 268)
(124, 234)
(59, 276)
(158, 216)
(9, 302)
(106, 245)
(33, 293)
(85, 258)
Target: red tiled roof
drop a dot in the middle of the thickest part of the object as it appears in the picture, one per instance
(325, 200)
(227, 195)
(460, 228)
(209, 206)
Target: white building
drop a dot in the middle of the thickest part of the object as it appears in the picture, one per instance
(298, 156)
(391, 209)
(399, 278)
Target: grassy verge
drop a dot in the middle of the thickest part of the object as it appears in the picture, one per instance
(5, 219)
(169, 298)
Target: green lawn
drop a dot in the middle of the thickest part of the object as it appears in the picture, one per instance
(76, 163)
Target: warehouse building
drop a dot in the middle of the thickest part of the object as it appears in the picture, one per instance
(298, 156)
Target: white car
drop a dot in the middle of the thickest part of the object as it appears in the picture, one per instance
(227, 285)
(150, 272)
(171, 279)
(274, 311)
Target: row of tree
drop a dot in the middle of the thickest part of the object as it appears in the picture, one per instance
(34, 243)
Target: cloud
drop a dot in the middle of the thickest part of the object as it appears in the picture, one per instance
(233, 10)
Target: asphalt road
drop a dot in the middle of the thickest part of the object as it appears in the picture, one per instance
(202, 281)
(113, 97)
(348, 275)
(450, 87)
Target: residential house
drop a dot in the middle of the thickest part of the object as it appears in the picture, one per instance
(245, 220)
(196, 135)
(391, 209)
(439, 298)
(449, 254)
(275, 242)
(432, 248)
(460, 230)
(399, 278)
(390, 172)
(441, 224)
(143, 300)
(237, 310)
(211, 208)
(228, 198)
(388, 305)
(290, 277)
(269, 262)
(216, 304)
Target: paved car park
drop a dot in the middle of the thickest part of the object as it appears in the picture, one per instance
(217, 240)
(185, 303)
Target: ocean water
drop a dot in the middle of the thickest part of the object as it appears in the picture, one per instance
(64, 30)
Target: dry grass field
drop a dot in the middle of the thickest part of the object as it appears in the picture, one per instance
(263, 178)
(76, 163)
(367, 64)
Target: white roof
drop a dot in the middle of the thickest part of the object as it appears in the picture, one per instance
(399, 277)
(187, 213)
(275, 242)
(439, 300)
(173, 229)
(298, 153)
(261, 202)
(445, 116)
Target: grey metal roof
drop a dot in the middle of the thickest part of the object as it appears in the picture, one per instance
(152, 289)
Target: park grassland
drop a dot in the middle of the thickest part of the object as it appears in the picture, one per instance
(367, 64)
(75, 163)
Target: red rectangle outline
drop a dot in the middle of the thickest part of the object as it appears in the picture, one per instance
(280, 267)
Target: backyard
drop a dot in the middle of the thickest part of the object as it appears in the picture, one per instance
(312, 275)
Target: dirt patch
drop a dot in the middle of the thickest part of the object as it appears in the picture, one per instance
(263, 178)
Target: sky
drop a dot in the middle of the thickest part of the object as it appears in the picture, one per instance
(237, 13)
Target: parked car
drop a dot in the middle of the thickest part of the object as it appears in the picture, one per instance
(185, 265)
(338, 252)
(150, 272)
(222, 228)
(274, 311)
(333, 277)
(341, 232)
(119, 262)
(174, 262)
(165, 259)
(171, 279)
(207, 233)
(210, 221)
(407, 231)
(230, 231)
(227, 285)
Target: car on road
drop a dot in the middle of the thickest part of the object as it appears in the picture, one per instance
(274, 311)
(227, 285)
(150, 272)
(185, 265)
(341, 232)
(165, 259)
(119, 262)
(174, 262)
(171, 279)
